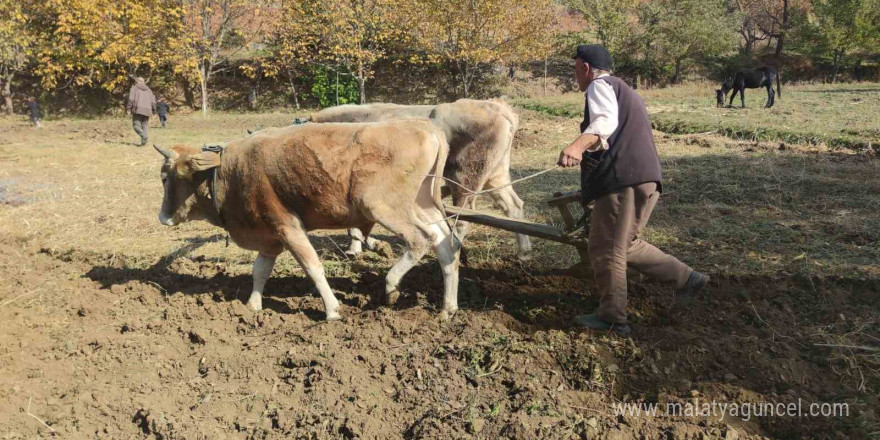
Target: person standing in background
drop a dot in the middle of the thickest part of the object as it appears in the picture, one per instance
(35, 111)
(162, 109)
(141, 105)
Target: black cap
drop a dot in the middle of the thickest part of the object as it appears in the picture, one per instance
(595, 55)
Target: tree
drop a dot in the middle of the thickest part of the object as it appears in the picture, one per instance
(215, 30)
(748, 14)
(774, 18)
(17, 41)
(685, 29)
(845, 25)
(610, 20)
(472, 34)
(290, 47)
(352, 35)
(104, 44)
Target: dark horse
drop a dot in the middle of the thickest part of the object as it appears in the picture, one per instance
(750, 79)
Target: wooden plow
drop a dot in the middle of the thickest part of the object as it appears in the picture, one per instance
(560, 201)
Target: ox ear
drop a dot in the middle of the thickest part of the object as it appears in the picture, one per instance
(198, 162)
(203, 161)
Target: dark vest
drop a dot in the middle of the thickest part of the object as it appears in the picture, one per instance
(631, 158)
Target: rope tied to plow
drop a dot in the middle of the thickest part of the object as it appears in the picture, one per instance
(473, 194)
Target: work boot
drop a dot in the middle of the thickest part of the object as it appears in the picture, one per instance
(694, 284)
(593, 321)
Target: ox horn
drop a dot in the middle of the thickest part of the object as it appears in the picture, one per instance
(164, 151)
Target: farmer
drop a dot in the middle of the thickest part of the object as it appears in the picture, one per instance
(162, 109)
(35, 111)
(141, 104)
(620, 173)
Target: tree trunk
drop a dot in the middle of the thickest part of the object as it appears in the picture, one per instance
(204, 85)
(837, 58)
(188, 97)
(293, 89)
(677, 78)
(252, 98)
(336, 88)
(203, 82)
(780, 39)
(465, 84)
(7, 92)
(545, 75)
(362, 82)
(747, 41)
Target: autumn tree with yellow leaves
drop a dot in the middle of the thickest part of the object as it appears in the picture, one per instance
(352, 35)
(473, 34)
(214, 32)
(104, 44)
(16, 45)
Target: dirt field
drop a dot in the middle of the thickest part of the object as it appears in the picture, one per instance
(113, 326)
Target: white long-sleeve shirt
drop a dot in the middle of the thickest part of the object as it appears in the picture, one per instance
(603, 112)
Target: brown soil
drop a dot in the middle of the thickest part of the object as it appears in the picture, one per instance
(170, 352)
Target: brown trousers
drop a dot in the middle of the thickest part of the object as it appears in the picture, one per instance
(616, 222)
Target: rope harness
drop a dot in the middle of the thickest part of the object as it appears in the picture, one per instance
(473, 194)
(212, 188)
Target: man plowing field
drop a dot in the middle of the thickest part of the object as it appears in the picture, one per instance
(620, 174)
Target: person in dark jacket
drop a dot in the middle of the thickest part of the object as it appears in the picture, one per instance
(141, 105)
(35, 111)
(620, 174)
(162, 110)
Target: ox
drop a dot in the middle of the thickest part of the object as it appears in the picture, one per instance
(268, 189)
(480, 135)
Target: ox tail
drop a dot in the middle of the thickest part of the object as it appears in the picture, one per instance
(778, 84)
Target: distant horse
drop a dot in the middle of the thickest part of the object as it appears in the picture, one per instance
(750, 79)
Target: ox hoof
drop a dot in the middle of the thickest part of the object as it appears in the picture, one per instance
(525, 256)
(447, 314)
(391, 297)
(355, 248)
(333, 317)
(255, 304)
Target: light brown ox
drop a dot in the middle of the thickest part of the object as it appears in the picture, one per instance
(480, 135)
(275, 185)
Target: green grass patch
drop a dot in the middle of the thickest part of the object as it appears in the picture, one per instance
(839, 116)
